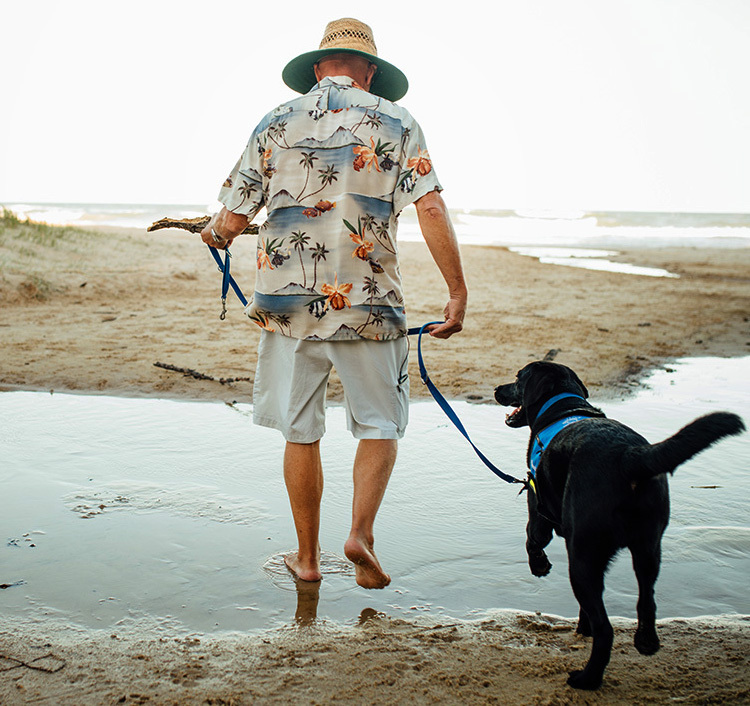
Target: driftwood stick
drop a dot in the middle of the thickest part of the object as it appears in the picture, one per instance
(193, 225)
(188, 372)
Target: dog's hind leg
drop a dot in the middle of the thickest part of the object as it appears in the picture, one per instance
(538, 536)
(587, 580)
(584, 625)
(646, 561)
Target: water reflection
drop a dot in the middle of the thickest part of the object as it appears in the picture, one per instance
(308, 595)
(590, 259)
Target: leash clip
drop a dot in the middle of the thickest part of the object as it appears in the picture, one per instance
(223, 314)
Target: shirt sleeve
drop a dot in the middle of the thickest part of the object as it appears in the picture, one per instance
(242, 192)
(417, 176)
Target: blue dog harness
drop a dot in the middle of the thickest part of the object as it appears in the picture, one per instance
(545, 436)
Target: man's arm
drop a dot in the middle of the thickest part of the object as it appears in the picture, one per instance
(440, 237)
(227, 226)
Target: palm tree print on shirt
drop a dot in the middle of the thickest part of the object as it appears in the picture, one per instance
(370, 287)
(299, 240)
(319, 253)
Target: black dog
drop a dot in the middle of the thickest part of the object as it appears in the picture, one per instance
(602, 487)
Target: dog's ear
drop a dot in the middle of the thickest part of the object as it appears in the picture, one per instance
(540, 384)
(578, 382)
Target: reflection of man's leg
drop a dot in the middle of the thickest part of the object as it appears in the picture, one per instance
(303, 474)
(372, 469)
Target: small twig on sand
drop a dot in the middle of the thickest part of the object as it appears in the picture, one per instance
(54, 664)
(200, 376)
(194, 225)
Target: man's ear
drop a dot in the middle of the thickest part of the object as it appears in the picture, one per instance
(372, 69)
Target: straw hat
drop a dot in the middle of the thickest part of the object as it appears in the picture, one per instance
(348, 36)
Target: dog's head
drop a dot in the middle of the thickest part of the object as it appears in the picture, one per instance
(534, 385)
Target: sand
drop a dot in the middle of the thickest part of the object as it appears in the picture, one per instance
(503, 659)
(93, 314)
(93, 311)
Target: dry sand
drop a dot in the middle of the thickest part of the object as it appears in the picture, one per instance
(92, 312)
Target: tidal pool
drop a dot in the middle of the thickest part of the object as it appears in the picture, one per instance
(119, 512)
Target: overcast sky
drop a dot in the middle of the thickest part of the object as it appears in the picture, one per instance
(544, 104)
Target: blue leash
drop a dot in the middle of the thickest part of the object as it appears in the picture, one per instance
(226, 281)
(229, 281)
(450, 413)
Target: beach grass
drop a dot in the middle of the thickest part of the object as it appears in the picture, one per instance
(27, 232)
(33, 253)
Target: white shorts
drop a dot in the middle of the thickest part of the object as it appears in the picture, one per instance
(289, 392)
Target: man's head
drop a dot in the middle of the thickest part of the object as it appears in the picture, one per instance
(347, 48)
(360, 68)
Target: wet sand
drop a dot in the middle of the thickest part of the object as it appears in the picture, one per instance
(507, 659)
(93, 313)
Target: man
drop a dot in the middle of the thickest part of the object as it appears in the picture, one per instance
(334, 168)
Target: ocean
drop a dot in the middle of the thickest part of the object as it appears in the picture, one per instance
(585, 239)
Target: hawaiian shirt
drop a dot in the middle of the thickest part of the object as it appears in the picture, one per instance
(334, 168)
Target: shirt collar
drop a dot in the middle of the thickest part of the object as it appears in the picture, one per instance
(336, 81)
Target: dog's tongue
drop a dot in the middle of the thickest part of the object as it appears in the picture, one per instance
(512, 414)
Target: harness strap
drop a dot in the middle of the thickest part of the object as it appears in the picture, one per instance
(450, 413)
(543, 438)
(553, 400)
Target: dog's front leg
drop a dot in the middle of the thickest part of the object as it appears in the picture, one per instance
(538, 536)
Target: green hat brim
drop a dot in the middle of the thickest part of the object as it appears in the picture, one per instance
(389, 82)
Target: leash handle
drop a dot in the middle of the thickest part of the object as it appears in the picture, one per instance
(450, 413)
(226, 281)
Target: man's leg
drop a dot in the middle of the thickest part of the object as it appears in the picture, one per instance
(303, 474)
(372, 469)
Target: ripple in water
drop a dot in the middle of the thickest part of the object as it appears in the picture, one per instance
(330, 565)
(192, 501)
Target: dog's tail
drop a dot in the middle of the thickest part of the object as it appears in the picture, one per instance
(643, 462)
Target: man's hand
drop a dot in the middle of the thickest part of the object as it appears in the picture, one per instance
(454, 318)
(223, 228)
(210, 236)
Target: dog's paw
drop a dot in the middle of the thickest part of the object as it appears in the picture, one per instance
(646, 641)
(580, 679)
(539, 564)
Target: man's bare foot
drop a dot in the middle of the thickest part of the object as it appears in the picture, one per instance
(304, 571)
(367, 569)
